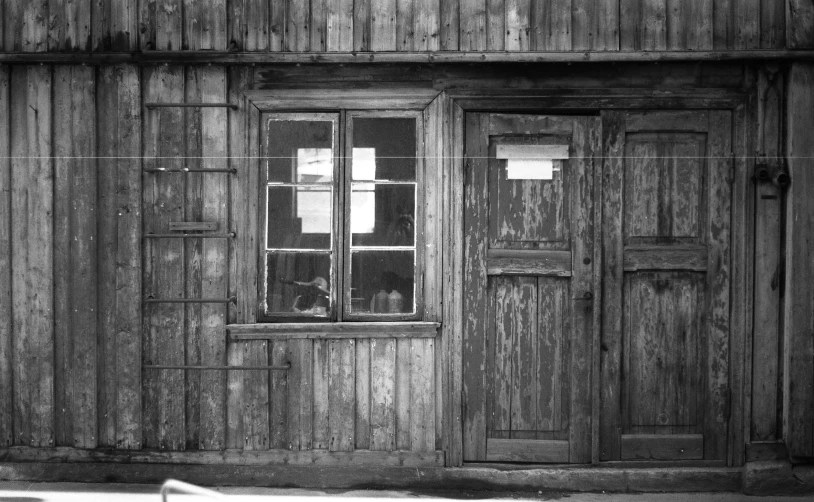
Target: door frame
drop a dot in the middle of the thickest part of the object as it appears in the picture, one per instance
(455, 104)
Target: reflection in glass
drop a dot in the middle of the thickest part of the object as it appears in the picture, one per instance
(299, 217)
(298, 283)
(375, 275)
(300, 151)
(383, 215)
(385, 146)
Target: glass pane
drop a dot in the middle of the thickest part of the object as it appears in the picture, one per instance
(382, 215)
(384, 149)
(298, 283)
(382, 282)
(300, 151)
(299, 217)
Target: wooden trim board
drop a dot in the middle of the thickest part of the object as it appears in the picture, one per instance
(333, 330)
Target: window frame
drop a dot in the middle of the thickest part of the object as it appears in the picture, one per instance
(341, 244)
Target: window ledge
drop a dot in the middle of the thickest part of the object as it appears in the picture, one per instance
(238, 332)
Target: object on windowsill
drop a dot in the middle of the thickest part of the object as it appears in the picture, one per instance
(379, 302)
(395, 302)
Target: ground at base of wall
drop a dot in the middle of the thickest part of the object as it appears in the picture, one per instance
(22, 491)
(756, 478)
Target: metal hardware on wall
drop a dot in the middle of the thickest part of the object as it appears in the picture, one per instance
(191, 300)
(231, 170)
(230, 235)
(190, 105)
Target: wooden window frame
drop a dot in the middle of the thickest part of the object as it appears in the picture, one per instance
(346, 104)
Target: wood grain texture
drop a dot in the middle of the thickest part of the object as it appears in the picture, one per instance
(450, 25)
(204, 25)
(252, 26)
(321, 403)
(300, 394)
(75, 256)
(383, 395)
(114, 26)
(402, 404)
(118, 104)
(298, 26)
(518, 25)
(551, 25)
(528, 262)
(163, 199)
(6, 333)
(524, 450)
(340, 26)
(426, 30)
(799, 24)
(655, 447)
(69, 25)
(362, 395)
(383, 25)
(472, 25)
(361, 25)
(279, 394)
(32, 241)
(747, 19)
(798, 381)
(405, 13)
(341, 395)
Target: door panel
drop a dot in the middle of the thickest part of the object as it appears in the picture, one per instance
(528, 294)
(666, 214)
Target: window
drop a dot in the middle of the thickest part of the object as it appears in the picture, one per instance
(343, 213)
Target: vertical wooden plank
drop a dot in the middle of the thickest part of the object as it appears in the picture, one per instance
(69, 25)
(6, 334)
(453, 279)
(214, 273)
(689, 25)
(300, 394)
(605, 25)
(297, 27)
(361, 25)
(341, 398)
(582, 13)
(404, 366)
(146, 24)
(192, 204)
(517, 25)
(362, 393)
(32, 256)
(654, 25)
(114, 26)
(551, 25)
(322, 377)
(496, 25)
(473, 25)
(499, 377)
(168, 25)
(475, 228)
(747, 19)
(613, 148)
(449, 25)
(75, 248)
(318, 25)
(383, 394)
(630, 25)
(383, 25)
(256, 393)
(404, 25)
(255, 25)
(798, 315)
(163, 272)
(341, 26)
(799, 25)
(717, 371)
(422, 414)
(552, 304)
(723, 24)
(425, 25)
(772, 24)
(204, 25)
(29, 28)
(278, 386)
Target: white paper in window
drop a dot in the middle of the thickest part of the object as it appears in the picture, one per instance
(314, 165)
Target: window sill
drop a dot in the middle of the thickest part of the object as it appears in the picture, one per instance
(238, 332)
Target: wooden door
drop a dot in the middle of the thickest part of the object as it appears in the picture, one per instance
(665, 328)
(528, 293)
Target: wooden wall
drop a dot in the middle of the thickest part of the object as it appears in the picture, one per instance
(405, 25)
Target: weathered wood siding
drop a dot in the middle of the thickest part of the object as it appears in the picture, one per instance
(415, 25)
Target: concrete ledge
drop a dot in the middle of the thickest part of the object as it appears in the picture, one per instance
(578, 479)
(777, 477)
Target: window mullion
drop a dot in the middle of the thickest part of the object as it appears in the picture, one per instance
(341, 225)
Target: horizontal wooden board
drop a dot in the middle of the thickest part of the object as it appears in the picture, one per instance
(666, 258)
(333, 330)
(532, 152)
(662, 447)
(227, 457)
(358, 99)
(193, 226)
(528, 262)
(526, 450)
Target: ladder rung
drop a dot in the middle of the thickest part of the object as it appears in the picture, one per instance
(230, 235)
(190, 105)
(191, 300)
(230, 170)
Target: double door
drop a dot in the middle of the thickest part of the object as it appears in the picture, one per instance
(596, 317)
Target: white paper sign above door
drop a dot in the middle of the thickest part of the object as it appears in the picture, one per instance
(532, 162)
